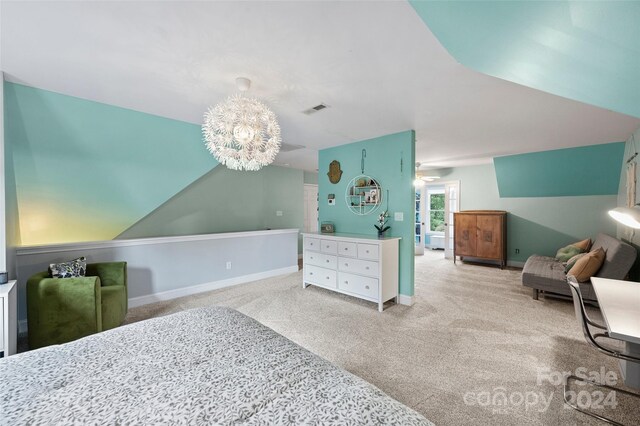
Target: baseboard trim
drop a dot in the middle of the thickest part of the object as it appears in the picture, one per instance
(194, 289)
(406, 300)
(214, 285)
(515, 264)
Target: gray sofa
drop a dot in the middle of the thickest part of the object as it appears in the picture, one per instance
(543, 273)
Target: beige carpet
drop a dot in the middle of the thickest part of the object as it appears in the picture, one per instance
(473, 335)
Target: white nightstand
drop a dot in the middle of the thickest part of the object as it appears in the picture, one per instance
(8, 318)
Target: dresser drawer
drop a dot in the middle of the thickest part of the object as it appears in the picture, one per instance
(329, 246)
(363, 286)
(347, 249)
(357, 266)
(320, 259)
(368, 251)
(312, 244)
(320, 276)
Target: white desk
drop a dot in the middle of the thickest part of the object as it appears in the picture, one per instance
(620, 305)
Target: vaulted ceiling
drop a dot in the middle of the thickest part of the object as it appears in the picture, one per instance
(376, 64)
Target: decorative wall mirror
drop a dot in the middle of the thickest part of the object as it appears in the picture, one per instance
(363, 195)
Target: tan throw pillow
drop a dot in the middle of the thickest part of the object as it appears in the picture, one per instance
(569, 264)
(587, 266)
(584, 245)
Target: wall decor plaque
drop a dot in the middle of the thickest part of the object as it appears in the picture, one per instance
(334, 172)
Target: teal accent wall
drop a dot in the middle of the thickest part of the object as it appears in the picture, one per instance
(581, 50)
(535, 225)
(310, 178)
(88, 171)
(225, 200)
(383, 162)
(587, 170)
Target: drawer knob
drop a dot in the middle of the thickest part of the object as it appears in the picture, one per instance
(327, 278)
(346, 249)
(367, 268)
(327, 246)
(367, 287)
(346, 282)
(346, 264)
(327, 261)
(367, 251)
(310, 273)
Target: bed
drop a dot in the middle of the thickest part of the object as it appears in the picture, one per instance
(209, 365)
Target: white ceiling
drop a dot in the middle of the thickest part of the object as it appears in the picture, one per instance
(375, 64)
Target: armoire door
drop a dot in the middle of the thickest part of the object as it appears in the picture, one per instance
(489, 242)
(465, 231)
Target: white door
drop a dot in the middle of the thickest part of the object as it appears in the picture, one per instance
(421, 194)
(451, 205)
(310, 208)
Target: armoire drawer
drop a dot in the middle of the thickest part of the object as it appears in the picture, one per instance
(320, 259)
(320, 276)
(357, 266)
(364, 286)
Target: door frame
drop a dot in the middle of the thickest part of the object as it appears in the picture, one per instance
(448, 247)
(419, 246)
(448, 238)
(304, 188)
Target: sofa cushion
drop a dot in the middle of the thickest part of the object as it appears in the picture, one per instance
(547, 274)
(619, 258)
(566, 253)
(543, 271)
(587, 266)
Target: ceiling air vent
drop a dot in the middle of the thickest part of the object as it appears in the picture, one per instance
(287, 147)
(315, 109)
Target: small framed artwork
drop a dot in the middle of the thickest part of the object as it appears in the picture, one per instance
(373, 196)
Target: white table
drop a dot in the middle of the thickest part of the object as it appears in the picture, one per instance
(620, 306)
(8, 318)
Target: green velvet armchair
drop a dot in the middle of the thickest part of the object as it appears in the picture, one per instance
(60, 310)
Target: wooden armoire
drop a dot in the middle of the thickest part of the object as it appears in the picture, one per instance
(480, 234)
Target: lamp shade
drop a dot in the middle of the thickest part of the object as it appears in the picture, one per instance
(628, 216)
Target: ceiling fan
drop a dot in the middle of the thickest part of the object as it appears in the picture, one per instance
(422, 177)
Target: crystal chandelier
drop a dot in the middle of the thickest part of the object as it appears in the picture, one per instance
(242, 133)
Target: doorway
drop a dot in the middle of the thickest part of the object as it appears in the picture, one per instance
(441, 200)
(310, 208)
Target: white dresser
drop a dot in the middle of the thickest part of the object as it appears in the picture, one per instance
(8, 318)
(358, 265)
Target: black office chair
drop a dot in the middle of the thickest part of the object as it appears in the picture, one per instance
(585, 322)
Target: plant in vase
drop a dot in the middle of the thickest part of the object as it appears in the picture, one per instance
(382, 226)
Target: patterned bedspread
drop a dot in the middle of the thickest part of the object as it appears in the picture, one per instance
(204, 366)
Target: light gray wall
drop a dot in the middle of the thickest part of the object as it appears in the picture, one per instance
(311, 178)
(535, 225)
(157, 265)
(224, 200)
